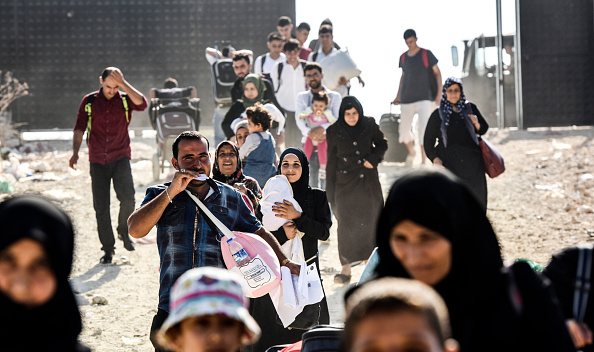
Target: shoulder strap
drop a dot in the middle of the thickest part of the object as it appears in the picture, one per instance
(425, 58)
(90, 99)
(125, 103)
(314, 57)
(402, 59)
(222, 228)
(303, 63)
(582, 283)
(262, 63)
(280, 70)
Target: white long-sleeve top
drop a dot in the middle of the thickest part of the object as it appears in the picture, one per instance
(304, 100)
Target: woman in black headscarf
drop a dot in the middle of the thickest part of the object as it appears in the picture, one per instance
(356, 146)
(434, 230)
(455, 126)
(227, 168)
(315, 222)
(39, 311)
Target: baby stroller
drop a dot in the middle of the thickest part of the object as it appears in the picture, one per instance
(172, 111)
(223, 75)
(223, 78)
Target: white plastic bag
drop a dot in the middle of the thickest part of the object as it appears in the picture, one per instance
(339, 64)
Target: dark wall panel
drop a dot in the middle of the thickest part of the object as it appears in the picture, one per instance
(60, 47)
(557, 62)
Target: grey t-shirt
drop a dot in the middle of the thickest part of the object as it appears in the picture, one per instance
(416, 86)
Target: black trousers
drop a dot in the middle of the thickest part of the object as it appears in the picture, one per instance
(158, 321)
(101, 177)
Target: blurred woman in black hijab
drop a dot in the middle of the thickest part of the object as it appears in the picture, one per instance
(433, 229)
(39, 311)
(356, 146)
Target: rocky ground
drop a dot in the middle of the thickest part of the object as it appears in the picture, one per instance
(542, 203)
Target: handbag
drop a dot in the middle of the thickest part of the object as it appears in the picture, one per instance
(492, 159)
(262, 272)
(310, 315)
(297, 299)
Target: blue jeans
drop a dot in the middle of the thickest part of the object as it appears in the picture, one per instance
(101, 176)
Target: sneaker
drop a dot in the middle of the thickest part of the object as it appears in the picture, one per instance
(107, 258)
(128, 244)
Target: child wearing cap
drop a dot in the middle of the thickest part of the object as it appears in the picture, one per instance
(208, 310)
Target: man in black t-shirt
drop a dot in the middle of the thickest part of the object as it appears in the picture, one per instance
(420, 87)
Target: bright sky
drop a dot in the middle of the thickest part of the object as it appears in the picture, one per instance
(372, 30)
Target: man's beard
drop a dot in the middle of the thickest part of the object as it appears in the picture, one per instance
(316, 86)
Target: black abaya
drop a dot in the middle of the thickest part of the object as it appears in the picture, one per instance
(315, 222)
(462, 156)
(353, 190)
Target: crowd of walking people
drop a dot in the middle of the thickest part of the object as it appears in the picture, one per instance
(440, 283)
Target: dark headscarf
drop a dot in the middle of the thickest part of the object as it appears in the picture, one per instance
(348, 103)
(439, 201)
(446, 108)
(56, 324)
(301, 186)
(236, 176)
(260, 86)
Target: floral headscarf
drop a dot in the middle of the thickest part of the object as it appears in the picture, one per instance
(446, 108)
(237, 176)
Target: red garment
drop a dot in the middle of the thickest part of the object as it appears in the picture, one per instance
(308, 148)
(108, 139)
(304, 53)
(296, 347)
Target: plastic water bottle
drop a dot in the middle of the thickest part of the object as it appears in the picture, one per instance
(239, 254)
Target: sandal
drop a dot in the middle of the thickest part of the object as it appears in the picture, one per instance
(342, 279)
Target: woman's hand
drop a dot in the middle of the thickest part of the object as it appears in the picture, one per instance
(290, 230)
(286, 210)
(474, 120)
(580, 333)
(368, 165)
